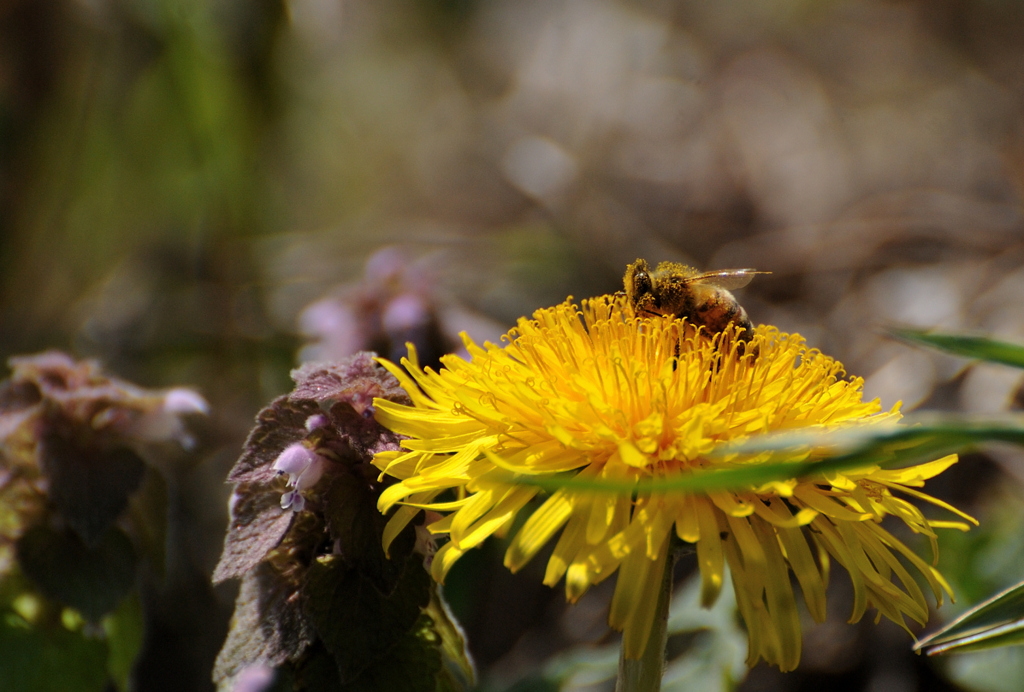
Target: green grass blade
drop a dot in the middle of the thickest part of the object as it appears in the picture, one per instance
(977, 347)
(1008, 635)
(998, 621)
(892, 446)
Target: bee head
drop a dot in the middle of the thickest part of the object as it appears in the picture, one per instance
(638, 284)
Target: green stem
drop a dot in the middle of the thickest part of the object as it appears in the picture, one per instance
(644, 674)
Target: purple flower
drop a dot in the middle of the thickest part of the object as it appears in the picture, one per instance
(182, 400)
(254, 678)
(162, 421)
(317, 420)
(304, 468)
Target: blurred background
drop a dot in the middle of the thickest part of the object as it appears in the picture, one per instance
(207, 192)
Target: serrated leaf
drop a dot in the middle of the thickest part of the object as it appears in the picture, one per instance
(92, 579)
(317, 672)
(49, 660)
(976, 347)
(355, 380)
(89, 484)
(999, 621)
(277, 426)
(268, 627)
(357, 623)
(350, 508)
(257, 526)
(358, 436)
(412, 665)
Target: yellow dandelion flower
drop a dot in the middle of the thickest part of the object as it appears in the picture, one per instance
(596, 392)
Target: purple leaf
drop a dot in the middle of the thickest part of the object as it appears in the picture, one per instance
(257, 526)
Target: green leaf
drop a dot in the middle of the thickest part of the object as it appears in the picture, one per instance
(744, 465)
(453, 641)
(350, 508)
(999, 621)
(1011, 634)
(124, 629)
(50, 659)
(428, 657)
(358, 624)
(89, 484)
(92, 579)
(412, 664)
(977, 347)
(317, 672)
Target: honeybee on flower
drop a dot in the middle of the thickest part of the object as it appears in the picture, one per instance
(702, 298)
(602, 391)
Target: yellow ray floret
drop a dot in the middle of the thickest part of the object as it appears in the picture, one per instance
(596, 392)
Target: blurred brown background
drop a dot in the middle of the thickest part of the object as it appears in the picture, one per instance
(180, 179)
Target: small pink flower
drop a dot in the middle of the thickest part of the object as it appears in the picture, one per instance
(160, 420)
(317, 420)
(183, 400)
(304, 468)
(254, 678)
(406, 311)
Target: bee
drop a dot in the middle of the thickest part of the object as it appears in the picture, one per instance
(703, 298)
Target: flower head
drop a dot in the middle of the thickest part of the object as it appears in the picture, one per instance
(600, 393)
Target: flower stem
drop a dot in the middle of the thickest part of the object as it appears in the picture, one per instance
(644, 674)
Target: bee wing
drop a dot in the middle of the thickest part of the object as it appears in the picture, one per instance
(725, 278)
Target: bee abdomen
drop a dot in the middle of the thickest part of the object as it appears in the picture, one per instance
(722, 310)
(746, 326)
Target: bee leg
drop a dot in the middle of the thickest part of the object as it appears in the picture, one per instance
(719, 314)
(745, 333)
